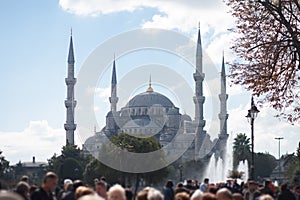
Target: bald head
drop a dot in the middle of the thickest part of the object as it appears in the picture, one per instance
(224, 194)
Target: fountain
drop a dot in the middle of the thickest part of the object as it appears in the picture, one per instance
(217, 169)
(243, 166)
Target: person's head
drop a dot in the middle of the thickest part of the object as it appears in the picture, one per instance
(179, 185)
(252, 186)
(50, 181)
(206, 180)
(224, 194)
(266, 197)
(25, 178)
(182, 196)
(90, 197)
(169, 183)
(101, 187)
(22, 188)
(154, 194)
(103, 178)
(189, 182)
(142, 195)
(82, 191)
(5, 195)
(209, 196)
(237, 196)
(116, 192)
(68, 187)
(68, 184)
(76, 184)
(267, 182)
(197, 195)
(33, 188)
(284, 187)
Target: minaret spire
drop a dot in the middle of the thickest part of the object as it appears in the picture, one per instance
(113, 99)
(223, 116)
(199, 99)
(150, 89)
(70, 103)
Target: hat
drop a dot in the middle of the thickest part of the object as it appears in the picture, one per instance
(66, 181)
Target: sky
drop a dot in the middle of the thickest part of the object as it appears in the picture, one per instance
(34, 46)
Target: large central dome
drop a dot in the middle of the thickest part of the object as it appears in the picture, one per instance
(148, 99)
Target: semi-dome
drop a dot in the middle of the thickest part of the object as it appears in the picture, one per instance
(148, 99)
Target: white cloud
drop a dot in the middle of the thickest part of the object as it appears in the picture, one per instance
(38, 139)
(173, 14)
(266, 128)
(215, 20)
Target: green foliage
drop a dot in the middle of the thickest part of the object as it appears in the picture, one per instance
(241, 149)
(264, 164)
(4, 165)
(293, 172)
(70, 164)
(235, 174)
(95, 168)
(71, 168)
(136, 144)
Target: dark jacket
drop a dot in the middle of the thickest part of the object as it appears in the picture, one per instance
(41, 194)
(168, 193)
(70, 195)
(286, 195)
(256, 194)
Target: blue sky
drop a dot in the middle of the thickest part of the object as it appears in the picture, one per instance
(34, 44)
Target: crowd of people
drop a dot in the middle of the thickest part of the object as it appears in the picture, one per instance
(188, 190)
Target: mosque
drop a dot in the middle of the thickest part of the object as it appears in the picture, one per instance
(152, 113)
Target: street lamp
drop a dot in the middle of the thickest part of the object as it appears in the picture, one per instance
(252, 114)
(279, 166)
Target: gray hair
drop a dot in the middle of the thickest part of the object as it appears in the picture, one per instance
(22, 187)
(5, 195)
(119, 189)
(154, 194)
(197, 195)
(266, 197)
(91, 197)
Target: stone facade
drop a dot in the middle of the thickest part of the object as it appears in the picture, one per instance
(151, 113)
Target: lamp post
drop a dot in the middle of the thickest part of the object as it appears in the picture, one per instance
(252, 114)
(279, 166)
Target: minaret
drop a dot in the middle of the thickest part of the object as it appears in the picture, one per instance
(113, 99)
(70, 103)
(199, 99)
(223, 116)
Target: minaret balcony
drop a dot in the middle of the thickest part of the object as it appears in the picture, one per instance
(199, 76)
(223, 116)
(223, 97)
(70, 127)
(70, 103)
(113, 99)
(199, 100)
(70, 81)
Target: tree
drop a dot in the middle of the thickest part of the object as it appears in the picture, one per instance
(268, 47)
(235, 174)
(132, 144)
(241, 149)
(4, 165)
(264, 163)
(293, 171)
(70, 164)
